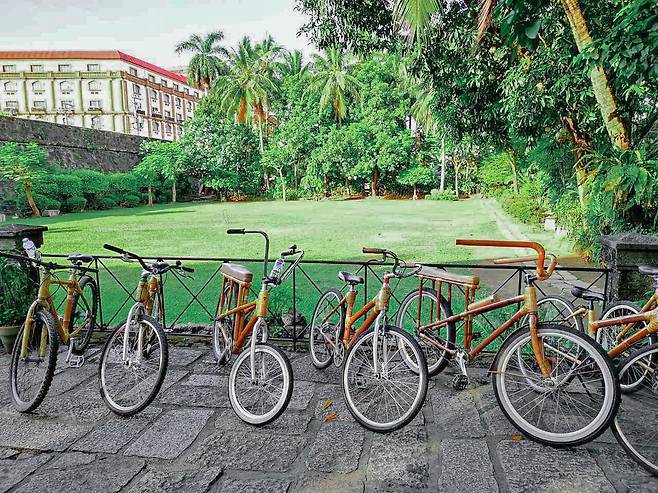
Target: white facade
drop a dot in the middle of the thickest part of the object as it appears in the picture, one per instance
(114, 92)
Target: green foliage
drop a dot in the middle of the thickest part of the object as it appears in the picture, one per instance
(436, 194)
(417, 176)
(21, 163)
(75, 203)
(130, 200)
(44, 203)
(524, 208)
(496, 170)
(15, 289)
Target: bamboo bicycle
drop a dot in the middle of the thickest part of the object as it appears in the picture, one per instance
(134, 359)
(261, 379)
(554, 384)
(384, 370)
(34, 356)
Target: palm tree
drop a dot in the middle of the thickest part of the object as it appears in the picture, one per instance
(207, 63)
(292, 64)
(333, 81)
(417, 14)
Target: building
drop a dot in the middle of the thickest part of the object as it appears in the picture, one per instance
(107, 90)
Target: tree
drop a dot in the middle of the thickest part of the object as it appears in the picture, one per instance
(417, 176)
(207, 61)
(334, 82)
(23, 164)
(292, 65)
(162, 160)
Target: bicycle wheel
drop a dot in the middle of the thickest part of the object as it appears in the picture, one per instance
(578, 400)
(556, 310)
(129, 384)
(84, 308)
(331, 328)
(221, 340)
(636, 424)
(411, 316)
(262, 399)
(389, 399)
(30, 375)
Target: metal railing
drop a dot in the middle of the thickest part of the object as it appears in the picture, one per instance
(190, 303)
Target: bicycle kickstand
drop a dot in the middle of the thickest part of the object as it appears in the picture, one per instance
(460, 381)
(74, 360)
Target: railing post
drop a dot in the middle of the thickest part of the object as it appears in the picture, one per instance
(100, 297)
(294, 309)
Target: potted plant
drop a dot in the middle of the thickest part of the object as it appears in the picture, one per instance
(15, 300)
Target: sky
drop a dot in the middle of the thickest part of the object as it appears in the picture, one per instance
(148, 29)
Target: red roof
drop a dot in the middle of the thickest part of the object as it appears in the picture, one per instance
(89, 55)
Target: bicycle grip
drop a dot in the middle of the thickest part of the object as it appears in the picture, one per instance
(235, 231)
(114, 249)
(374, 251)
(187, 269)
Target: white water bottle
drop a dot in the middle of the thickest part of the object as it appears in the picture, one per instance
(30, 248)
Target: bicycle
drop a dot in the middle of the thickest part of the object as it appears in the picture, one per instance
(134, 359)
(537, 367)
(384, 370)
(261, 379)
(34, 355)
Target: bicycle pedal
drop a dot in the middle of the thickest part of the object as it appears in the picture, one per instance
(460, 382)
(76, 361)
(476, 335)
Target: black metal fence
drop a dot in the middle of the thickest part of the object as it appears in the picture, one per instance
(190, 302)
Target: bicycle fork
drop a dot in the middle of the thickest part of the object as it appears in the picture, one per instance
(126, 336)
(375, 345)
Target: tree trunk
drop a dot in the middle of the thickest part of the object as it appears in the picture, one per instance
(443, 165)
(515, 178)
(456, 177)
(415, 192)
(150, 196)
(326, 186)
(283, 183)
(580, 145)
(30, 199)
(600, 83)
(375, 179)
(173, 192)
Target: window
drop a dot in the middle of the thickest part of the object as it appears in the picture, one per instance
(11, 87)
(39, 105)
(95, 104)
(196, 94)
(66, 87)
(67, 104)
(154, 95)
(176, 87)
(133, 71)
(9, 68)
(11, 105)
(64, 67)
(36, 68)
(94, 85)
(156, 128)
(151, 78)
(96, 122)
(168, 113)
(189, 106)
(169, 129)
(167, 99)
(137, 90)
(38, 87)
(177, 102)
(163, 82)
(93, 67)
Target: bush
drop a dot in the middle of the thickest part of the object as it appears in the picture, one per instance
(435, 194)
(524, 208)
(15, 288)
(68, 185)
(95, 185)
(124, 183)
(46, 203)
(107, 202)
(496, 171)
(130, 200)
(74, 204)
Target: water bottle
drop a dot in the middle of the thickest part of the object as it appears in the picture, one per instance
(30, 248)
(276, 270)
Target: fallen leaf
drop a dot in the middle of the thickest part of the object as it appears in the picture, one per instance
(326, 404)
(330, 417)
(517, 438)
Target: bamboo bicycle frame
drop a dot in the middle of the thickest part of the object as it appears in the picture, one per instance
(241, 309)
(44, 299)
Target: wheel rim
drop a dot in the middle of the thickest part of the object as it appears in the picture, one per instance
(84, 316)
(29, 373)
(577, 400)
(383, 402)
(258, 402)
(636, 425)
(218, 340)
(321, 351)
(129, 384)
(555, 311)
(408, 321)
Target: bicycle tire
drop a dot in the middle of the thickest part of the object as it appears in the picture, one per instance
(433, 368)
(44, 317)
(315, 359)
(80, 344)
(568, 308)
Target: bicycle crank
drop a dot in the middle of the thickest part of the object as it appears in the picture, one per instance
(460, 382)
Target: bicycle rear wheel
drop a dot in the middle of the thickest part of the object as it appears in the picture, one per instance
(327, 308)
(555, 310)
(636, 423)
(578, 400)
(84, 308)
(261, 399)
(128, 384)
(30, 375)
(390, 398)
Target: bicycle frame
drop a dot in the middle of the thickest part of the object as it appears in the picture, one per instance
(149, 287)
(651, 327)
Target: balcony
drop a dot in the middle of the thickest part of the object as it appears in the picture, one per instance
(169, 118)
(37, 109)
(140, 112)
(95, 109)
(155, 114)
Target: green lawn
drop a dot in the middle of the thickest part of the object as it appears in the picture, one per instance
(329, 230)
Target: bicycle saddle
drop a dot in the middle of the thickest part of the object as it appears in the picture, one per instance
(77, 257)
(237, 271)
(648, 270)
(587, 294)
(349, 278)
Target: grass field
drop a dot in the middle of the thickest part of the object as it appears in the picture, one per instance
(423, 231)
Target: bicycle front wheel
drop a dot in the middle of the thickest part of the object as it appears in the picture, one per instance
(31, 373)
(129, 382)
(389, 398)
(574, 404)
(261, 397)
(636, 424)
(327, 325)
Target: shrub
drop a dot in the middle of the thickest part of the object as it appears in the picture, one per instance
(435, 194)
(496, 171)
(95, 185)
(47, 203)
(130, 200)
(15, 288)
(523, 208)
(74, 204)
(124, 183)
(107, 202)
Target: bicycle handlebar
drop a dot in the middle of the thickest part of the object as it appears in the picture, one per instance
(46, 265)
(243, 231)
(235, 231)
(152, 267)
(543, 272)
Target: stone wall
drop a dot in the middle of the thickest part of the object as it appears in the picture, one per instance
(74, 147)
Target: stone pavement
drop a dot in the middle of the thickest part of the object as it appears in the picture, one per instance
(189, 440)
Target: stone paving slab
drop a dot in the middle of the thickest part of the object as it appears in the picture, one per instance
(190, 440)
